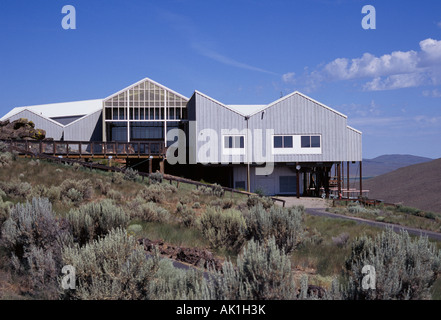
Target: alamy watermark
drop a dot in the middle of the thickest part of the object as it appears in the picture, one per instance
(368, 281)
(370, 19)
(69, 278)
(69, 21)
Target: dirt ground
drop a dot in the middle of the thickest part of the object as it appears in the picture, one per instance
(307, 202)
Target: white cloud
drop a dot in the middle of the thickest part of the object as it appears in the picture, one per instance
(435, 93)
(399, 69)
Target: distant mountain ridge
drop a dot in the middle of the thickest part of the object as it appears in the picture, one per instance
(417, 185)
(384, 164)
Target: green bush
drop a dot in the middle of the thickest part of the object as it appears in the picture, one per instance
(131, 174)
(33, 238)
(263, 272)
(186, 214)
(115, 195)
(153, 192)
(16, 189)
(156, 177)
(76, 190)
(284, 224)
(117, 177)
(405, 268)
(223, 228)
(254, 200)
(6, 159)
(110, 268)
(95, 219)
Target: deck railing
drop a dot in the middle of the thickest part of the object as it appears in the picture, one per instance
(90, 148)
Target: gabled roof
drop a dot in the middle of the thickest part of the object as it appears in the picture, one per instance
(144, 80)
(250, 110)
(64, 109)
(56, 110)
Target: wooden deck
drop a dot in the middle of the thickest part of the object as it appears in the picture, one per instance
(96, 150)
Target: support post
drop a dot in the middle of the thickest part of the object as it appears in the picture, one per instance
(298, 182)
(161, 166)
(361, 179)
(347, 177)
(338, 180)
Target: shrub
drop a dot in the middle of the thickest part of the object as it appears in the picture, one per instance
(186, 214)
(117, 177)
(156, 177)
(266, 202)
(76, 166)
(223, 229)
(95, 219)
(16, 189)
(33, 239)
(284, 224)
(196, 205)
(263, 272)
(102, 186)
(154, 192)
(405, 268)
(114, 195)
(152, 212)
(131, 174)
(171, 283)
(82, 190)
(111, 268)
(341, 240)
(5, 159)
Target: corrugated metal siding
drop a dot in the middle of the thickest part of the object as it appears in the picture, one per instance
(88, 128)
(298, 115)
(211, 115)
(354, 145)
(53, 130)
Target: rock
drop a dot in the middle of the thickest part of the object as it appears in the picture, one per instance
(194, 256)
(20, 129)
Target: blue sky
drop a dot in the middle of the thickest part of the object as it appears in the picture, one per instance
(387, 80)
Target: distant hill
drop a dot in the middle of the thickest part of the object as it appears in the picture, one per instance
(418, 186)
(384, 164)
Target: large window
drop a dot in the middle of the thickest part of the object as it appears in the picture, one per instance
(283, 142)
(310, 142)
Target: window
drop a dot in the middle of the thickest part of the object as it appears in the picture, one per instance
(239, 185)
(234, 142)
(310, 142)
(283, 142)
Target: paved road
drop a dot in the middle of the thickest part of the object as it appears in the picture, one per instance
(322, 213)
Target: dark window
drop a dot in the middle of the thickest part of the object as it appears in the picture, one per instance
(310, 141)
(283, 142)
(287, 184)
(287, 141)
(306, 141)
(239, 185)
(315, 141)
(278, 142)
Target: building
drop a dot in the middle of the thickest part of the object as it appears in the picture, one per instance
(286, 147)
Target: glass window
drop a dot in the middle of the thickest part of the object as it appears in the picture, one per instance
(315, 141)
(287, 142)
(283, 142)
(228, 142)
(239, 185)
(278, 142)
(306, 141)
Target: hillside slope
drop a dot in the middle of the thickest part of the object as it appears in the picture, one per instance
(417, 186)
(386, 163)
